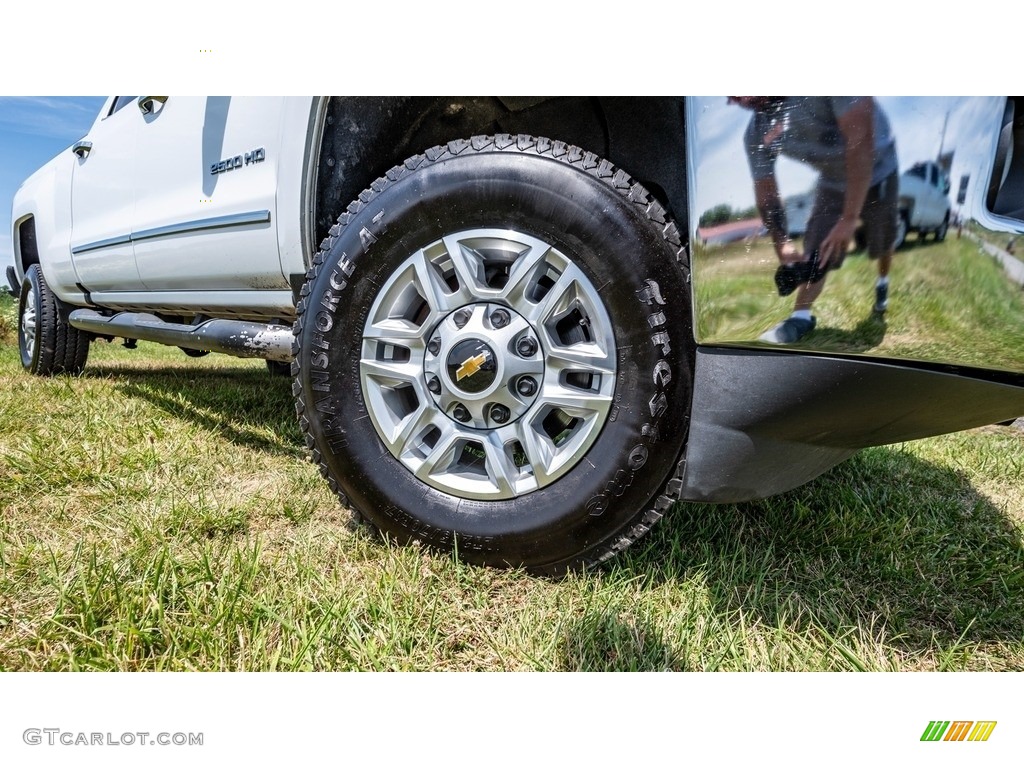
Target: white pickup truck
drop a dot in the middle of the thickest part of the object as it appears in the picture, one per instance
(491, 334)
(924, 202)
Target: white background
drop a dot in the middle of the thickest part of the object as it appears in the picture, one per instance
(515, 48)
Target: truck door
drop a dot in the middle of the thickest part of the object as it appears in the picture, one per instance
(103, 200)
(206, 182)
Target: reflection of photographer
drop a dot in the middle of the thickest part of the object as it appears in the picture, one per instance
(849, 142)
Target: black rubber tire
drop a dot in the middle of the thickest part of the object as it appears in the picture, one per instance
(59, 348)
(279, 368)
(940, 233)
(621, 238)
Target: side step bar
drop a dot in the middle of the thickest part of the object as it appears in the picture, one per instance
(240, 338)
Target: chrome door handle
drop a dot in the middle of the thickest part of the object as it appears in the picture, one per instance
(82, 148)
(147, 104)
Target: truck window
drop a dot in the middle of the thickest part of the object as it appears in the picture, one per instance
(120, 101)
(919, 171)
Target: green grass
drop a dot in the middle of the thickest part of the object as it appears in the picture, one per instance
(947, 301)
(159, 512)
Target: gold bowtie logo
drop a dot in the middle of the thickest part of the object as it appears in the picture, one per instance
(470, 366)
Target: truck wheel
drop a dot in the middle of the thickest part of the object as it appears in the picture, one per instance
(494, 353)
(940, 233)
(47, 344)
(902, 228)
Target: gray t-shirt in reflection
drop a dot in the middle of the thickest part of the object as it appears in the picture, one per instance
(806, 128)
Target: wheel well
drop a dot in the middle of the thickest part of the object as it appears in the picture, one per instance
(26, 249)
(364, 137)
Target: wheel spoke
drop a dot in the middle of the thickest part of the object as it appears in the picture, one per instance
(522, 274)
(580, 358)
(540, 452)
(501, 470)
(573, 401)
(438, 295)
(440, 457)
(411, 428)
(559, 300)
(397, 333)
(466, 267)
(392, 371)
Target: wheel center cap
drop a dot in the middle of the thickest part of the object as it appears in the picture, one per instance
(472, 366)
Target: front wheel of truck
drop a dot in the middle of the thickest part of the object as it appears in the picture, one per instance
(494, 354)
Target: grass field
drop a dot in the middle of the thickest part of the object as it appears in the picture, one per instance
(159, 512)
(947, 301)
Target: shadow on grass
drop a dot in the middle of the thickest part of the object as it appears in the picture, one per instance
(905, 550)
(246, 406)
(607, 642)
(868, 334)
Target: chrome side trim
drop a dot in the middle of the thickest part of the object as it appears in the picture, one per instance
(215, 222)
(109, 242)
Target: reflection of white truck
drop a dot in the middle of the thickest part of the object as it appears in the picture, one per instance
(924, 205)
(924, 202)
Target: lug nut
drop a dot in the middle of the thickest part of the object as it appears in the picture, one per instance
(526, 346)
(526, 386)
(462, 317)
(460, 412)
(500, 414)
(434, 345)
(434, 385)
(500, 318)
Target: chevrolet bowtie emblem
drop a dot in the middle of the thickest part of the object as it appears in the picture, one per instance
(470, 366)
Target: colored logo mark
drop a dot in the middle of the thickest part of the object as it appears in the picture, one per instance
(958, 730)
(471, 366)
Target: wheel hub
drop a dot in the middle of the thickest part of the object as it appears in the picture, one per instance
(478, 365)
(472, 367)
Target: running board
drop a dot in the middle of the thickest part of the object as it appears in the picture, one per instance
(240, 338)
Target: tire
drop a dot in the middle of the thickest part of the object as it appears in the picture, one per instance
(940, 233)
(194, 352)
(47, 344)
(902, 229)
(440, 271)
(278, 368)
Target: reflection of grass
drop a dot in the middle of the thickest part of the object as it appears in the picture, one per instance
(1001, 240)
(947, 302)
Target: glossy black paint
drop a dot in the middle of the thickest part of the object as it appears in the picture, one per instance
(765, 422)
